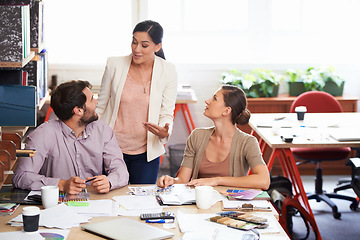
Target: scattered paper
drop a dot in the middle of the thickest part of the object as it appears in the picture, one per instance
(41, 234)
(198, 226)
(21, 235)
(60, 216)
(105, 207)
(135, 205)
(137, 202)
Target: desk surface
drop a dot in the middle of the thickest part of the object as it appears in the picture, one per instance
(313, 132)
(77, 233)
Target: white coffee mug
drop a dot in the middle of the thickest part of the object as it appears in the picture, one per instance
(204, 196)
(49, 196)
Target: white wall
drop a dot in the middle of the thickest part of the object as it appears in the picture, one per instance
(205, 80)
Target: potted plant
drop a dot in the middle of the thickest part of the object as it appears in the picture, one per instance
(332, 82)
(320, 79)
(257, 83)
(295, 80)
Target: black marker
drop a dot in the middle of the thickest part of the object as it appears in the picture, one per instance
(91, 179)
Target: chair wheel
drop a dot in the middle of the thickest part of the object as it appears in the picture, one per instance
(336, 215)
(353, 206)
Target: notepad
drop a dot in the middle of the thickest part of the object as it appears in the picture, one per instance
(125, 228)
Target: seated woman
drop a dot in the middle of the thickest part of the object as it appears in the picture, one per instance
(222, 154)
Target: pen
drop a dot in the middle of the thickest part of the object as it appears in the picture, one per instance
(160, 221)
(279, 118)
(91, 179)
(165, 189)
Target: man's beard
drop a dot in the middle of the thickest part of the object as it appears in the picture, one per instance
(85, 121)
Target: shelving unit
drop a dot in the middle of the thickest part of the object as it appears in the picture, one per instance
(22, 19)
(18, 64)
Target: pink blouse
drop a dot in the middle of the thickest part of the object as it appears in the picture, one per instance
(133, 111)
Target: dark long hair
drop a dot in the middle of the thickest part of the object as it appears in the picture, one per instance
(155, 31)
(235, 98)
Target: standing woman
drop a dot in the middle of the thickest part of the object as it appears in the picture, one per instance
(137, 99)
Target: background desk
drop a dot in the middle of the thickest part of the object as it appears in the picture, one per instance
(281, 104)
(281, 150)
(76, 233)
(183, 106)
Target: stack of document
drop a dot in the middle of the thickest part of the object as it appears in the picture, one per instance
(8, 208)
(185, 93)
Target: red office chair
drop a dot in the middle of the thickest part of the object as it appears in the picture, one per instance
(321, 102)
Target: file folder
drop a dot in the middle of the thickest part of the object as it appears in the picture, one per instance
(17, 105)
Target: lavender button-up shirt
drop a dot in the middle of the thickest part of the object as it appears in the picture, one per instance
(60, 155)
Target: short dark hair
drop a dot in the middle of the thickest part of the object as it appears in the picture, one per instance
(235, 98)
(67, 96)
(155, 31)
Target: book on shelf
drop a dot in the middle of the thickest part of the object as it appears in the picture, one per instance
(17, 105)
(37, 71)
(25, 78)
(36, 20)
(36, 24)
(11, 76)
(15, 32)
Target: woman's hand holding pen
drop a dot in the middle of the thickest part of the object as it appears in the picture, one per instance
(165, 181)
(100, 183)
(161, 132)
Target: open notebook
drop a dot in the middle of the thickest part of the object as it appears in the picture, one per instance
(125, 228)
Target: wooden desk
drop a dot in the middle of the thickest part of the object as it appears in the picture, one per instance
(76, 233)
(281, 150)
(282, 103)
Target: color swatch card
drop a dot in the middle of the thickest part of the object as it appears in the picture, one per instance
(243, 194)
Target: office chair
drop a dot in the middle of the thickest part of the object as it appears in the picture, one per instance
(321, 102)
(355, 174)
(345, 183)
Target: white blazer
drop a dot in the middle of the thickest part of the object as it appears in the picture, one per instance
(162, 97)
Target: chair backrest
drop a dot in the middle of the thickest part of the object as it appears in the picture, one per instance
(317, 102)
